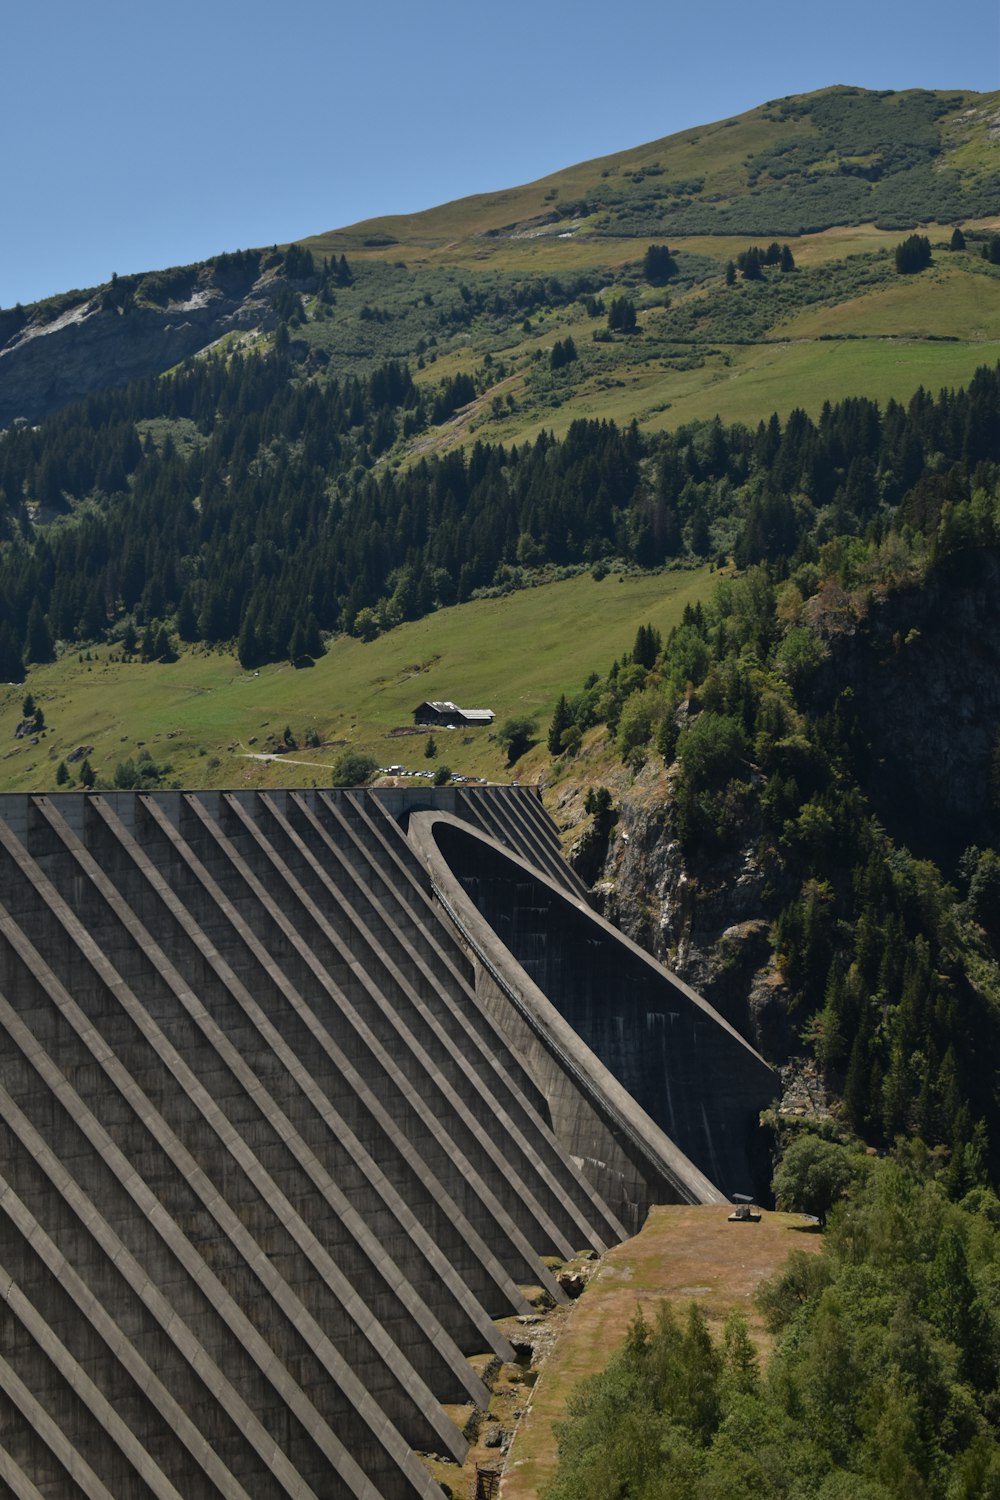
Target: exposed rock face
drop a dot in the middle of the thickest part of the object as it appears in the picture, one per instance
(708, 923)
(92, 345)
(916, 675)
(919, 676)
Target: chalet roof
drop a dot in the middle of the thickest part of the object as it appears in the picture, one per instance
(446, 709)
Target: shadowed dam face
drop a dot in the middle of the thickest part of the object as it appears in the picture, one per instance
(691, 1073)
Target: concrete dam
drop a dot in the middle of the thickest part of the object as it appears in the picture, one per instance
(299, 1092)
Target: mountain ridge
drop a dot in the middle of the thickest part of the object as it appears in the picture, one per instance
(843, 155)
(636, 158)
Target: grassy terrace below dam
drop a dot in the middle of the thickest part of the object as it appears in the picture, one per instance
(206, 716)
(682, 1253)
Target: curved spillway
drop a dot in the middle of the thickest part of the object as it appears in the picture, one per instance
(651, 1090)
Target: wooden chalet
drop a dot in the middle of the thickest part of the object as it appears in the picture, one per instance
(440, 714)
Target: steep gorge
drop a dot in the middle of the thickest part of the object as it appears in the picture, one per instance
(914, 674)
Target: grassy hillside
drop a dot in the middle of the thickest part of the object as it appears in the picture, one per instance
(205, 716)
(487, 285)
(838, 156)
(485, 288)
(838, 175)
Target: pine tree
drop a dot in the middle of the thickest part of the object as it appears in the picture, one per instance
(87, 777)
(312, 638)
(62, 774)
(561, 720)
(11, 664)
(647, 647)
(957, 239)
(38, 645)
(187, 620)
(621, 315)
(787, 260)
(163, 646)
(247, 648)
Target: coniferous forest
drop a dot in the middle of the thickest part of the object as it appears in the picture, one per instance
(235, 501)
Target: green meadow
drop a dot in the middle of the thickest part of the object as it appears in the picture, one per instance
(206, 717)
(738, 356)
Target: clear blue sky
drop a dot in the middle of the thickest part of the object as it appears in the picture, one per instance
(146, 133)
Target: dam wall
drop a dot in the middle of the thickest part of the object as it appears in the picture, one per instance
(652, 1091)
(272, 1161)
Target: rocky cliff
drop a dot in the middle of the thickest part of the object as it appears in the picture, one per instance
(708, 920)
(84, 342)
(915, 673)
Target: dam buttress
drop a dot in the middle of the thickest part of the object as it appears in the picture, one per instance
(298, 1092)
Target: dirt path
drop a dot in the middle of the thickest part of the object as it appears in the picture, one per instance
(450, 432)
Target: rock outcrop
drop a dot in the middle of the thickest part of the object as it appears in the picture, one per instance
(708, 920)
(916, 673)
(107, 338)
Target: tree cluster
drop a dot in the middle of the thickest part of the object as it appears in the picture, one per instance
(913, 254)
(563, 353)
(753, 261)
(658, 265)
(268, 527)
(621, 315)
(881, 1384)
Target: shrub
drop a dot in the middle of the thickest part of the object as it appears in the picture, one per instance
(353, 769)
(515, 735)
(814, 1174)
(712, 751)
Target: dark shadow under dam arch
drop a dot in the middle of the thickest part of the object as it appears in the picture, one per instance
(669, 1078)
